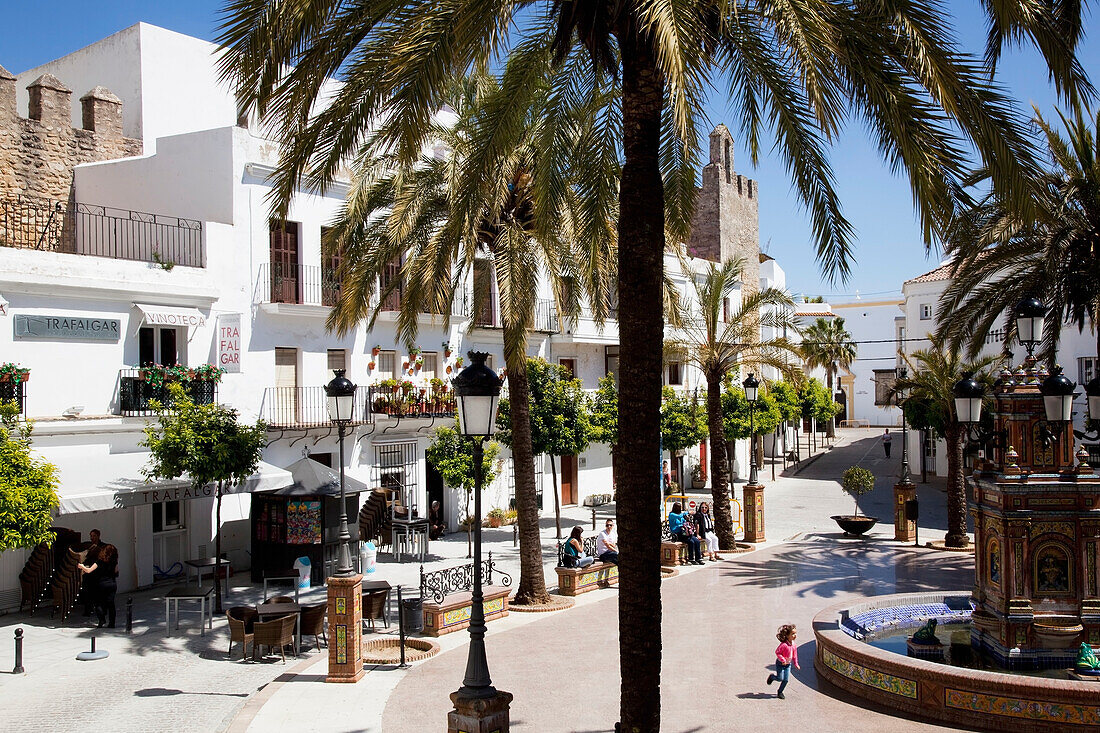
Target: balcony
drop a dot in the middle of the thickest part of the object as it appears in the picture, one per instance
(306, 407)
(413, 402)
(15, 392)
(488, 316)
(138, 388)
(297, 285)
(27, 222)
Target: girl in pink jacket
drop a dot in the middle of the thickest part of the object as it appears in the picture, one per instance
(785, 655)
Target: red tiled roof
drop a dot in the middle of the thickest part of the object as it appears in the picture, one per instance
(817, 314)
(943, 272)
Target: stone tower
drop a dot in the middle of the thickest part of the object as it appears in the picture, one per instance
(726, 223)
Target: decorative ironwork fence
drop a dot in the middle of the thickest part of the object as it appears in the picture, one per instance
(414, 402)
(15, 392)
(438, 584)
(301, 284)
(136, 392)
(28, 222)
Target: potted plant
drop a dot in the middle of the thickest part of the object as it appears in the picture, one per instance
(459, 361)
(856, 482)
(14, 373)
(448, 368)
(446, 349)
(370, 365)
(376, 350)
(390, 384)
(495, 517)
(419, 361)
(698, 477)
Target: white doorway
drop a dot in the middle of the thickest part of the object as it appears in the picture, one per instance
(169, 541)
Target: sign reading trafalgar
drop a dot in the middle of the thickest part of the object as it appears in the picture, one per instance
(67, 327)
(229, 342)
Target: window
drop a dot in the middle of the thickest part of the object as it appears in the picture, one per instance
(285, 286)
(167, 516)
(925, 311)
(337, 359)
(611, 362)
(674, 375)
(929, 444)
(386, 364)
(570, 366)
(157, 345)
(884, 382)
(489, 361)
(431, 365)
(1086, 369)
(391, 275)
(330, 270)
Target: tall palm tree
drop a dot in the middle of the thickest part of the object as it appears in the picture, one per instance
(932, 373)
(795, 73)
(1001, 259)
(426, 218)
(716, 344)
(826, 343)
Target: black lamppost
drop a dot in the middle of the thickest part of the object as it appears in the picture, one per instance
(903, 393)
(477, 389)
(751, 392)
(1030, 319)
(340, 400)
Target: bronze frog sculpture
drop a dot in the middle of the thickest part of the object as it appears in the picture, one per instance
(926, 634)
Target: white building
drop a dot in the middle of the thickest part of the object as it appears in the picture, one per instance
(867, 381)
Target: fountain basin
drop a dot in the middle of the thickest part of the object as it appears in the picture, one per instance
(954, 695)
(1058, 633)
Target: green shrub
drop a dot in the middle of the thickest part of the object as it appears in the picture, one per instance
(856, 482)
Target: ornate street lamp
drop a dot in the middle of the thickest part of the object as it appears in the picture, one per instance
(903, 394)
(1057, 391)
(752, 388)
(968, 394)
(1030, 318)
(340, 400)
(477, 389)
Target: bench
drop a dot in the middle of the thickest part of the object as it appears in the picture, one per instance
(673, 553)
(574, 581)
(447, 596)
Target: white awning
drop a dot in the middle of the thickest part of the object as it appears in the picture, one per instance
(92, 482)
(167, 315)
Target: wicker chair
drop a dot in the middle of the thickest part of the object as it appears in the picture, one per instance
(374, 607)
(245, 613)
(240, 629)
(278, 632)
(313, 622)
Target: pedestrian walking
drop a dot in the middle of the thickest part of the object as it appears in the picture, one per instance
(785, 655)
(886, 442)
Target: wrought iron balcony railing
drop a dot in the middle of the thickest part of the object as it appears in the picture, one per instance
(306, 407)
(15, 392)
(138, 388)
(438, 401)
(27, 222)
(297, 284)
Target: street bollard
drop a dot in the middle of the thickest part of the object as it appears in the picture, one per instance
(92, 655)
(593, 518)
(18, 652)
(401, 628)
(130, 615)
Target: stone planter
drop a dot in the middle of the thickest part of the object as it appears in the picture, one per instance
(853, 525)
(1057, 633)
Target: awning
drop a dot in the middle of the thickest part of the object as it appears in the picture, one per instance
(167, 315)
(310, 478)
(92, 482)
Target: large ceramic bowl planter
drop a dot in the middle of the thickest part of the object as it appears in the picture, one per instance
(853, 525)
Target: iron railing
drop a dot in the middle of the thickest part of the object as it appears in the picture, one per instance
(15, 392)
(138, 388)
(28, 222)
(460, 305)
(300, 284)
(546, 316)
(414, 402)
(488, 315)
(438, 584)
(306, 407)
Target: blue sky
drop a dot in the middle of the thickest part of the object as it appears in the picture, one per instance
(879, 204)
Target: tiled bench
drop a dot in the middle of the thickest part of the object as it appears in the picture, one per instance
(574, 581)
(454, 613)
(673, 553)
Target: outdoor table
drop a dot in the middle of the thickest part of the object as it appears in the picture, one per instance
(189, 593)
(279, 576)
(414, 530)
(202, 563)
(284, 609)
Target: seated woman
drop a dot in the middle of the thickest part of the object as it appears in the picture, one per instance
(574, 551)
(683, 530)
(436, 526)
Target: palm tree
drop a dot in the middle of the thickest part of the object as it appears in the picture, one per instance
(425, 217)
(1001, 259)
(797, 74)
(932, 373)
(716, 344)
(826, 343)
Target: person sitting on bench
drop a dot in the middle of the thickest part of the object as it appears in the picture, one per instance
(606, 549)
(574, 551)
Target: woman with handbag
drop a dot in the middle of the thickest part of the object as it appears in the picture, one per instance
(683, 530)
(704, 522)
(574, 551)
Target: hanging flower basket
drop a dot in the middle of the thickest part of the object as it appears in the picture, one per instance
(13, 373)
(448, 368)
(370, 365)
(376, 350)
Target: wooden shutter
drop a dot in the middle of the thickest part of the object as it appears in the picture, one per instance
(285, 285)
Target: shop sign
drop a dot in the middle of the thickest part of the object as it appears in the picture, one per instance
(229, 342)
(68, 328)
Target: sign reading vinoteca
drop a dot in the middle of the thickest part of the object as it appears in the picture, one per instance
(67, 327)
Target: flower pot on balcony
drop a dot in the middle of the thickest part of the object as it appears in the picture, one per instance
(448, 368)
(370, 365)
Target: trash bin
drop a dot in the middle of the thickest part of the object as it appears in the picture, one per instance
(368, 555)
(304, 568)
(412, 614)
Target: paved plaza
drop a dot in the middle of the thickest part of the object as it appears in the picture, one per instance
(562, 667)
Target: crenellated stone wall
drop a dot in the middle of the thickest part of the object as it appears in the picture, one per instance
(726, 222)
(38, 153)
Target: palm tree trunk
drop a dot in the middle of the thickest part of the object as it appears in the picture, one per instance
(956, 488)
(532, 582)
(720, 475)
(641, 333)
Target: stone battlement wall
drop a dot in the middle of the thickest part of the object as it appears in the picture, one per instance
(38, 153)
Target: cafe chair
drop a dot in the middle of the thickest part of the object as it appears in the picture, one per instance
(277, 633)
(313, 622)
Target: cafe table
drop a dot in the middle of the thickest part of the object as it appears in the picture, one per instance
(274, 610)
